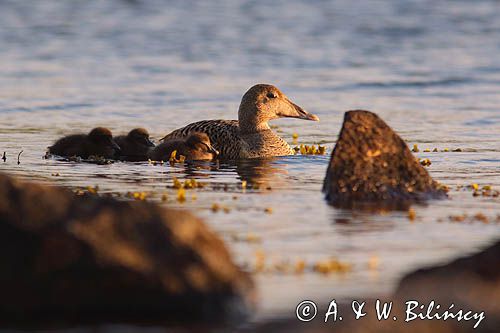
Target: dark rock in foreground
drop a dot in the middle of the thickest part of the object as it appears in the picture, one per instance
(371, 164)
(74, 259)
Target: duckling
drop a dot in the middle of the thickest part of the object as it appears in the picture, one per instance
(250, 136)
(135, 145)
(195, 147)
(99, 142)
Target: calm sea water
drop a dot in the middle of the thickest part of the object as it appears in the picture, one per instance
(431, 69)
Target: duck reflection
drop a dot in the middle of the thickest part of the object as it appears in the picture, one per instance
(258, 173)
(262, 172)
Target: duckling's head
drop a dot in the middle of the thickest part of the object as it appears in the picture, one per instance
(264, 102)
(140, 136)
(103, 137)
(200, 145)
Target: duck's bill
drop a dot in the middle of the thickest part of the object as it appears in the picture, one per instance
(214, 151)
(115, 146)
(300, 113)
(211, 149)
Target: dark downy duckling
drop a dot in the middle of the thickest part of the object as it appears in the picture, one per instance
(99, 142)
(134, 146)
(195, 147)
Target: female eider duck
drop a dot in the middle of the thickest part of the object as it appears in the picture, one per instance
(134, 146)
(99, 143)
(196, 147)
(250, 136)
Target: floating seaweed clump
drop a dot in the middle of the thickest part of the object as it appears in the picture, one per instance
(331, 265)
(310, 150)
(415, 149)
(217, 207)
(412, 214)
(478, 217)
(187, 184)
(247, 238)
(172, 160)
(176, 159)
(140, 196)
(181, 195)
(485, 191)
(425, 162)
(155, 162)
(298, 266)
(92, 190)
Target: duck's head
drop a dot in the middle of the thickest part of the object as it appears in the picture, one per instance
(201, 146)
(141, 136)
(103, 137)
(264, 102)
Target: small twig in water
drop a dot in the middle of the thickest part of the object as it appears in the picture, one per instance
(4, 158)
(18, 156)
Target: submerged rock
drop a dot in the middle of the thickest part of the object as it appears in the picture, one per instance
(371, 164)
(66, 258)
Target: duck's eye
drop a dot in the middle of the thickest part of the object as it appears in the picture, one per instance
(272, 95)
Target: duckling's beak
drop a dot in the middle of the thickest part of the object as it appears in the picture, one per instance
(213, 150)
(149, 143)
(115, 146)
(295, 111)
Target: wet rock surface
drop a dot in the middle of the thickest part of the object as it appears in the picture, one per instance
(75, 259)
(372, 164)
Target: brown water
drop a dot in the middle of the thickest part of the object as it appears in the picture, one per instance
(431, 70)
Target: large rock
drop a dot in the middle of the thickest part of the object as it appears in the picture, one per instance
(66, 258)
(371, 164)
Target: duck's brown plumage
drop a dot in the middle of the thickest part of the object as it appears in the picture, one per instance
(99, 142)
(250, 136)
(196, 146)
(134, 146)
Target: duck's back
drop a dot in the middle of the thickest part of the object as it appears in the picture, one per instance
(224, 135)
(71, 145)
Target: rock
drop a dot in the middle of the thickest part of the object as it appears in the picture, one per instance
(371, 164)
(470, 283)
(74, 259)
(482, 268)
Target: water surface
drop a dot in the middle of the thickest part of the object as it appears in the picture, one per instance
(430, 69)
